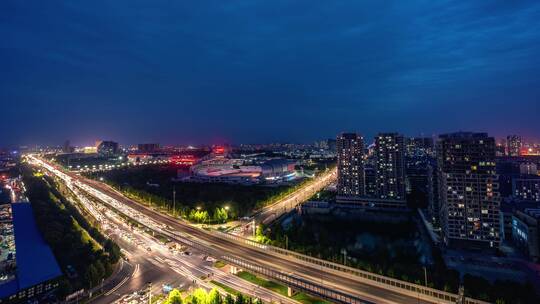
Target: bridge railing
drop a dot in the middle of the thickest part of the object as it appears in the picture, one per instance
(287, 278)
(296, 283)
(373, 278)
(301, 284)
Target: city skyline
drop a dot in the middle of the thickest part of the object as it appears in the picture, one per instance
(256, 152)
(166, 73)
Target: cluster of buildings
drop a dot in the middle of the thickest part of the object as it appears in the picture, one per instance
(376, 182)
(36, 273)
(104, 148)
(223, 165)
(476, 198)
(29, 272)
(150, 153)
(514, 145)
(271, 164)
(7, 161)
(243, 171)
(7, 245)
(28, 268)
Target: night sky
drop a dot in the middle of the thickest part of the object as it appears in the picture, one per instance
(179, 72)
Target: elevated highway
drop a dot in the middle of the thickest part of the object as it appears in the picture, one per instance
(331, 281)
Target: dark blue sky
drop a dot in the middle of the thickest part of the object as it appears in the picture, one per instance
(261, 71)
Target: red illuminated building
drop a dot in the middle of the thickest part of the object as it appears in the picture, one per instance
(184, 160)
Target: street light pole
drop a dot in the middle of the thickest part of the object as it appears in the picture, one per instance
(425, 275)
(344, 256)
(174, 200)
(149, 292)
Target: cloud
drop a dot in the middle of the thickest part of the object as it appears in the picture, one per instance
(331, 65)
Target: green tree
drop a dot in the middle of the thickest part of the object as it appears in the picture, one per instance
(175, 297)
(220, 215)
(260, 237)
(199, 296)
(229, 299)
(113, 250)
(214, 297)
(198, 216)
(100, 269)
(240, 299)
(91, 276)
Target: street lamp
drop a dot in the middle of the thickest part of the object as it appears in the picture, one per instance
(174, 200)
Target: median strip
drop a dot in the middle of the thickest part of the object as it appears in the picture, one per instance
(226, 288)
(280, 289)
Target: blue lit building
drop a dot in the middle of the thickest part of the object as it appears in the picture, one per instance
(37, 270)
(525, 232)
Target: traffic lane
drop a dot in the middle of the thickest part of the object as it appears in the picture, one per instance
(250, 288)
(263, 258)
(292, 265)
(120, 198)
(363, 291)
(145, 271)
(124, 274)
(287, 265)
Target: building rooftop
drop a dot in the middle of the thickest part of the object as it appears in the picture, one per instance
(464, 135)
(534, 212)
(35, 260)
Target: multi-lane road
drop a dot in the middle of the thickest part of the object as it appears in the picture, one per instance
(270, 213)
(339, 281)
(356, 287)
(149, 260)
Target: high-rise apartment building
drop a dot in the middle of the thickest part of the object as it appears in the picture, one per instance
(148, 147)
(527, 188)
(419, 146)
(468, 190)
(107, 148)
(390, 166)
(513, 145)
(350, 155)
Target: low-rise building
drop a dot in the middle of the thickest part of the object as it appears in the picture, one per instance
(526, 188)
(525, 232)
(37, 271)
(239, 171)
(107, 148)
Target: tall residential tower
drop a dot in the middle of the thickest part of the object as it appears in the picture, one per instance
(350, 155)
(390, 166)
(468, 190)
(513, 145)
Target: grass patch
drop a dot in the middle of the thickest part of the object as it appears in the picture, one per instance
(228, 289)
(275, 287)
(85, 236)
(281, 289)
(307, 299)
(219, 264)
(163, 239)
(159, 298)
(242, 200)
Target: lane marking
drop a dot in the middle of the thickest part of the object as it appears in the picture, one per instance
(122, 282)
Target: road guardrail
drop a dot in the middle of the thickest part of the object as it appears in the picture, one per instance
(426, 293)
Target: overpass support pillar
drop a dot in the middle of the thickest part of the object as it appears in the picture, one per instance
(234, 270)
(290, 292)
